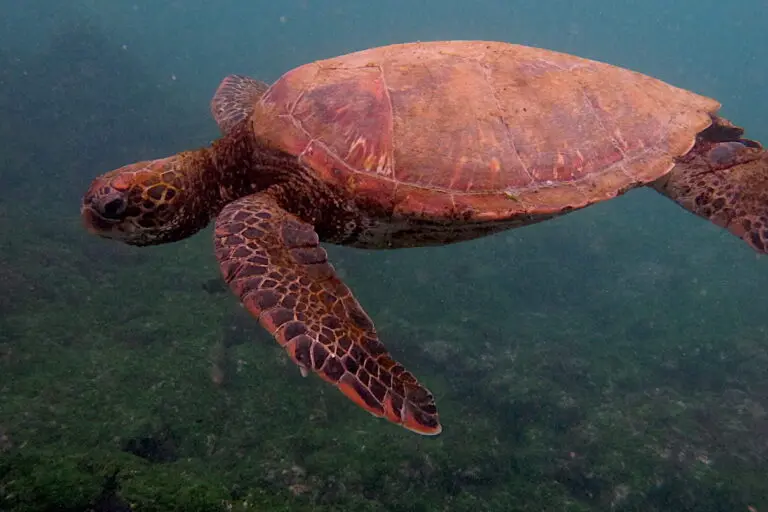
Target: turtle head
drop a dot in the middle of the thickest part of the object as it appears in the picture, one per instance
(145, 203)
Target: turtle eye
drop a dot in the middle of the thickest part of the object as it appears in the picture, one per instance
(113, 208)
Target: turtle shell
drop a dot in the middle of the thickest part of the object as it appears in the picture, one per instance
(479, 130)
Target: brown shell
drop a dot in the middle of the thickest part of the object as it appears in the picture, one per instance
(486, 130)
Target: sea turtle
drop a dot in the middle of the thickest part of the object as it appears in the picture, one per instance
(410, 145)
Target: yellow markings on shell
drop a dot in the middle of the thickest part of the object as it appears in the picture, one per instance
(359, 141)
(579, 154)
(620, 139)
(371, 161)
(384, 167)
(560, 164)
(495, 165)
(457, 169)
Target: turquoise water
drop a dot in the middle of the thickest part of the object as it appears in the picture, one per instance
(613, 359)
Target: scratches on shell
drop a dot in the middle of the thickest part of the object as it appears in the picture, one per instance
(390, 156)
(615, 136)
(589, 102)
(510, 141)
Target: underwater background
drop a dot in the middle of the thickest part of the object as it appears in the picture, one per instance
(612, 359)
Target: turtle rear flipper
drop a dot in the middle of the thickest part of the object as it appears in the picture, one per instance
(234, 100)
(273, 261)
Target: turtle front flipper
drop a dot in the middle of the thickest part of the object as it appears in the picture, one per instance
(274, 262)
(727, 183)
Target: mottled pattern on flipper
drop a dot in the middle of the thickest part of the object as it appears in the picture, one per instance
(273, 261)
(726, 183)
(234, 100)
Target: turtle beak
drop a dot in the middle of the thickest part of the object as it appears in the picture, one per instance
(103, 209)
(97, 225)
(94, 223)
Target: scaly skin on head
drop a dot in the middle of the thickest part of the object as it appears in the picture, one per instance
(169, 199)
(149, 202)
(724, 179)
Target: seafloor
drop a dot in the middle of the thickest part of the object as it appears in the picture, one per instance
(619, 400)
